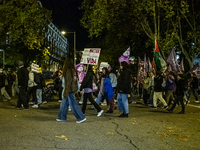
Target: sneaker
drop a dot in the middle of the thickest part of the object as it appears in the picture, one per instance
(109, 111)
(165, 107)
(88, 103)
(81, 121)
(99, 113)
(152, 107)
(187, 102)
(169, 110)
(80, 102)
(19, 108)
(59, 101)
(196, 101)
(121, 115)
(59, 120)
(35, 106)
(69, 109)
(134, 102)
(30, 103)
(182, 112)
(44, 102)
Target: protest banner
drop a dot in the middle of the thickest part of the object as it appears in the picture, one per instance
(102, 65)
(90, 56)
(34, 67)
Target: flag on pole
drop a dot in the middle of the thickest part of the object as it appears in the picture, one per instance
(153, 64)
(159, 61)
(182, 66)
(125, 56)
(149, 64)
(171, 59)
(140, 74)
(146, 65)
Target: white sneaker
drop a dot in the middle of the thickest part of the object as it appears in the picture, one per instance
(59, 101)
(99, 113)
(81, 121)
(196, 101)
(80, 102)
(60, 120)
(35, 106)
(69, 109)
(134, 102)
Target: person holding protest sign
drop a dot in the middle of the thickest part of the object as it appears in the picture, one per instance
(87, 86)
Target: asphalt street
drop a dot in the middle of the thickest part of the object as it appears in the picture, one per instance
(144, 129)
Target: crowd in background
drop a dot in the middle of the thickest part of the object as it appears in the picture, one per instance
(114, 86)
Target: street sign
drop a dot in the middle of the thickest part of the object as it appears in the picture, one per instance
(90, 56)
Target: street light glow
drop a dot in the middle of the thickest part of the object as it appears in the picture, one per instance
(63, 32)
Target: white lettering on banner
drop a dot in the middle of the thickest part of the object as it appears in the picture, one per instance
(90, 56)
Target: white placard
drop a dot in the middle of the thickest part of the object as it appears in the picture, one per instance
(34, 67)
(90, 56)
(102, 65)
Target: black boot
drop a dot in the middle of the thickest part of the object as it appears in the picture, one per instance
(182, 112)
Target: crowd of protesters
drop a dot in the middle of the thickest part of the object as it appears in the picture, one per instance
(169, 88)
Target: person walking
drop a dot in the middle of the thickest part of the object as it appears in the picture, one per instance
(146, 91)
(86, 87)
(169, 88)
(158, 80)
(194, 88)
(2, 83)
(181, 87)
(151, 89)
(22, 84)
(124, 88)
(70, 86)
(10, 82)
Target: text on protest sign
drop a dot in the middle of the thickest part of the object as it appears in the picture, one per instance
(90, 56)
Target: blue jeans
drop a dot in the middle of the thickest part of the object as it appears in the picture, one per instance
(99, 98)
(39, 96)
(76, 110)
(122, 101)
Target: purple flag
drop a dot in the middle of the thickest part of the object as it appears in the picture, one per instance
(149, 64)
(169, 68)
(146, 65)
(125, 56)
(171, 59)
(194, 68)
(140, 74)
(182, 66)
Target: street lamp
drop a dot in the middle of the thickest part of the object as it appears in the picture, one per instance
(63, 32)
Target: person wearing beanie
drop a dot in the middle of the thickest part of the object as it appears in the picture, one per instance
(22, 75)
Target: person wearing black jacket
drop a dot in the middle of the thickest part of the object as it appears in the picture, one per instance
(22, 75)
(180, 90)
(158, 80)
(2, 83)
(87, 86)
(194, 87)
(124, 88)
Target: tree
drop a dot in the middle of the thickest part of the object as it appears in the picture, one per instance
(171, 23)
(25, 21)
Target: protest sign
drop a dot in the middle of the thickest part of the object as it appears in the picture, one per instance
(102, 65)
(90, 56)
(34, 67)
(125, 56)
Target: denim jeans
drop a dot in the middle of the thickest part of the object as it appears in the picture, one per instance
(122, 101)
(151, 97)
(39, 96)
(99, 98)
(76, 110)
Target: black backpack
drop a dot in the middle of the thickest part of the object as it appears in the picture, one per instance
(36, 78)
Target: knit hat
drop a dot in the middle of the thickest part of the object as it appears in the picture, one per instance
(20, 63)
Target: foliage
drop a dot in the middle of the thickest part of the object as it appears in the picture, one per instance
(171, 23)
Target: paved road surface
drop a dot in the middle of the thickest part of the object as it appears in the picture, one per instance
(144, 129)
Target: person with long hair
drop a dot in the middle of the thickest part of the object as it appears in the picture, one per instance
(87, 86)
(70, 86)
(124, 88)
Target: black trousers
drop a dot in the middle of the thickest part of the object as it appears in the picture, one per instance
(89, 96)
(178, 98)
(145, 96)
(22, 97)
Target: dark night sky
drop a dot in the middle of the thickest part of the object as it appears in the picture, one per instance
(66, 16)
